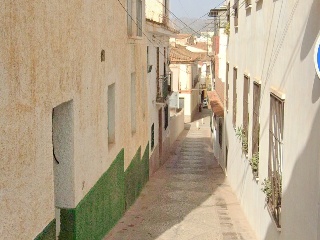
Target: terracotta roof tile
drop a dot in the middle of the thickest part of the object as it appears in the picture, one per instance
(201, 45)
(215, 103)
(181, 54)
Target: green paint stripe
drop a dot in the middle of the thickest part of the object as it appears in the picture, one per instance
(49, 232)
(103, 206)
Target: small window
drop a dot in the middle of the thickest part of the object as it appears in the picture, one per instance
(236, 9)
(129, 18)
(248, 3)
(152, 136)
(111, 113)
(166, 117)
(234, 118)
(245, 138)
(220, 132)
(139, 18)
(133, 103)
(227, 86)
(256, 124)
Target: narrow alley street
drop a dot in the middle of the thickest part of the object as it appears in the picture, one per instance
(188, 198)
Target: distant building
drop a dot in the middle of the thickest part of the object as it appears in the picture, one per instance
(185, 79)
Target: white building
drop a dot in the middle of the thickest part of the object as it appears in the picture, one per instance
(185, 79)
(158, 80)
(273, 116)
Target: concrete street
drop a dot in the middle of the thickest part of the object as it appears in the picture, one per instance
(188, 198)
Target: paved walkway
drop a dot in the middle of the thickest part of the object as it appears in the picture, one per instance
(188, 198)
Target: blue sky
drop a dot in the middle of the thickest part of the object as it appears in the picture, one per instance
(192, 8)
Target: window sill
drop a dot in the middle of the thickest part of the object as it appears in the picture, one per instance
(248, 7)
(111, 145)
(272, 218)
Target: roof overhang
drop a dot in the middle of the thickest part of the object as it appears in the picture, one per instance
(159, 28)
(215, 103)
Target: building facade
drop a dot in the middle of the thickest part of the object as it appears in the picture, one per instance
(185, 79)
(158, 32)
(271, 137)
(74, 124)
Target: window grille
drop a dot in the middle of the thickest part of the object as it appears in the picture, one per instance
(220, 132)
(166, 117)
(227, 86)
(152, 136)
(234, 119)
(275, 155)
(139, 18)
(129, 18)
(236, 8)
(248, 3)
(245, 113)
(255, 118)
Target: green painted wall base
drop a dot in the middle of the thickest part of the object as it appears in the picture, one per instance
(49, 232)
(105, 203)
(136, 176)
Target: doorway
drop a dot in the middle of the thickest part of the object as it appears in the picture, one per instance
(160, 133)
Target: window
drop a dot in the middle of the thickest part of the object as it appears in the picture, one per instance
(139, 18)
(248, 3)
(234, 118)
(255, 118)
(166, 117)
(129, 17)
(228, 13)
(275, 155)
(152, 136)
(245, 113)
(220, 132)
(111, 113)
(158, 71)
(133, 103)
(236, 9)
(227, 87)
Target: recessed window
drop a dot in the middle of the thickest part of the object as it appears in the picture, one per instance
(234, 116)
(152, 136)
(256, 122)
(129, 18)
(227, 86)
(103, 55)
(139, 17)
(245, 113)
(133, 103)
(235, 12)
(111, 113)
(275, 155)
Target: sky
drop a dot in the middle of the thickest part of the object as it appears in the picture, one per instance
(192, 8)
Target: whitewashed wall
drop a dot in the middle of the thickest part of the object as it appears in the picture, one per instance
(274, 45)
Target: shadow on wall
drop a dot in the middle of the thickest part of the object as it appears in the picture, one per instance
(301, 197)
(310, 33)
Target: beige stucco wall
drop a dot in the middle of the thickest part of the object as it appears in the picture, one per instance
(274, 44)
(50, 54)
